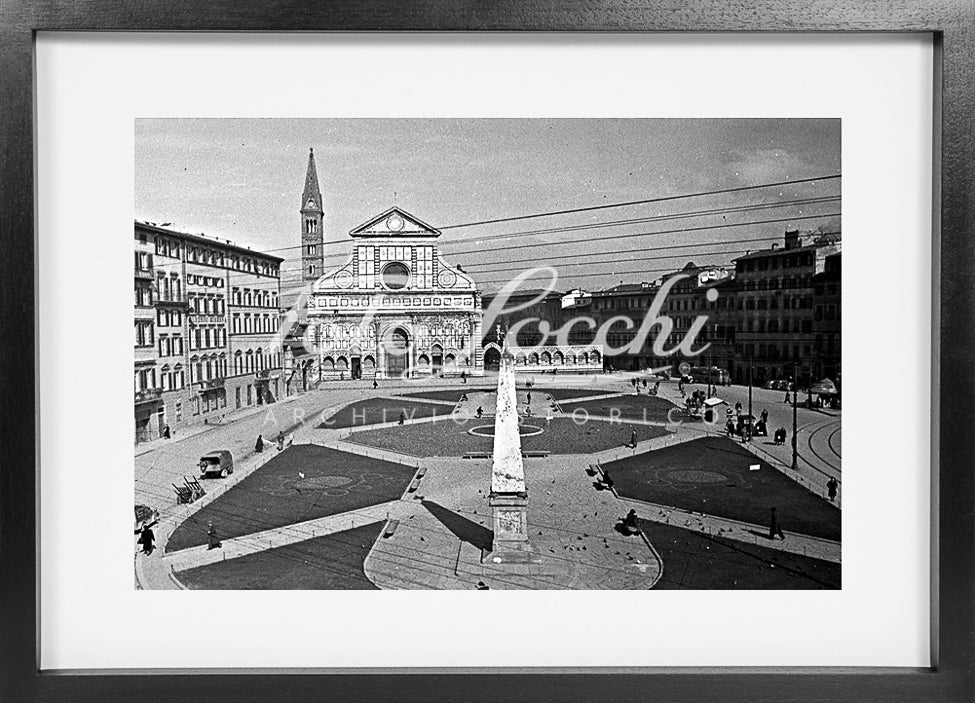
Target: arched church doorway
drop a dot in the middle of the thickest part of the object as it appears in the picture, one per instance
(492, 359)
(397, 352)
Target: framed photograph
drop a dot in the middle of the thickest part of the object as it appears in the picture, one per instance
(487, 353)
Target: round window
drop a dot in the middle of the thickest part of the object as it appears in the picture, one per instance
(396, 276)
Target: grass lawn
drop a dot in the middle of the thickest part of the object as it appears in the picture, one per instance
(452, 395)
(711, 475)
(374, 411)
(276, 495)
(324, 563)
(648, 408)
(449, 438)
(693, 560)
(564, 394)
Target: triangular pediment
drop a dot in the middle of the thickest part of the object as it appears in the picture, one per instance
(395, 222)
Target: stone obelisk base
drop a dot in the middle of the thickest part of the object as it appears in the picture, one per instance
(510, 544)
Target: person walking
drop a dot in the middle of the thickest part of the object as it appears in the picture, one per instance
(831, 487)
(146, 539)
(166, 432)
(633, 441)
(787, 399)
(259, 444)
(280, 440)
(764, 415)
(402, 418)
(774, 529)
(213, 540)
(529, 397)
(375, 384)
(480, 411)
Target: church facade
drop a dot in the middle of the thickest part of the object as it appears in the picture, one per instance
(395, 308)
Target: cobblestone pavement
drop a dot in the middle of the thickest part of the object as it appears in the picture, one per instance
(571, 528)
(437, 542)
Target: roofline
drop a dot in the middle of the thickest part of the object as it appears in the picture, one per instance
(207, 240)
(434, 232)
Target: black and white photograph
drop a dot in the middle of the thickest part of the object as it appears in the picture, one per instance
(590, 354)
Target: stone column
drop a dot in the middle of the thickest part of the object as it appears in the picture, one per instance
(509, 492)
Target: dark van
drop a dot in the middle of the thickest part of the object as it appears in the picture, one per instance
(219, 463)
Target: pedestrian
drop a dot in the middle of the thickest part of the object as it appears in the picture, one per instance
(213, 541)
(633, 441)
(291, 439)
(786, 396)
(607, 480)
(738, 408)
(146, 539)
(774, 529)
(764, 415)
(629, 522)
(730, 427)
(375, 384)
(463, 398)
(529, 397)
(480, 411)
(481, 586)
(463, 377)
(259, 444)
(402, 417)
(280, 441)
(831, 487)
(166, 432)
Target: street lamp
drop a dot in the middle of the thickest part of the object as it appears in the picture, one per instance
(795, 421)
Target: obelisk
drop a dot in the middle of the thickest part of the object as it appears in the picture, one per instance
(509, 493)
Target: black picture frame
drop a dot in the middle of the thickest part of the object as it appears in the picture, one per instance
(951, 678)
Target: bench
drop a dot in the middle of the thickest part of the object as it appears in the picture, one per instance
(478, 455)
(421, 472)
(390, 528)
(536, 454)
(414, 484)
(595, 470)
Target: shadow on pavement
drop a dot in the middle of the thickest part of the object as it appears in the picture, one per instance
(464, 529)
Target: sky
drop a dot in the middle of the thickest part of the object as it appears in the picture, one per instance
(242, 180)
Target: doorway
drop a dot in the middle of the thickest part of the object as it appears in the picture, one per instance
(397, 348)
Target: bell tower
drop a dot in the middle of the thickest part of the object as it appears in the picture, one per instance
(312, 225)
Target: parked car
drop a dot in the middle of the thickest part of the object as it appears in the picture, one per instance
(145, 517)
(218, 463)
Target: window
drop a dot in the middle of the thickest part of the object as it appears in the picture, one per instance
(143, 295)
(144, 333)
